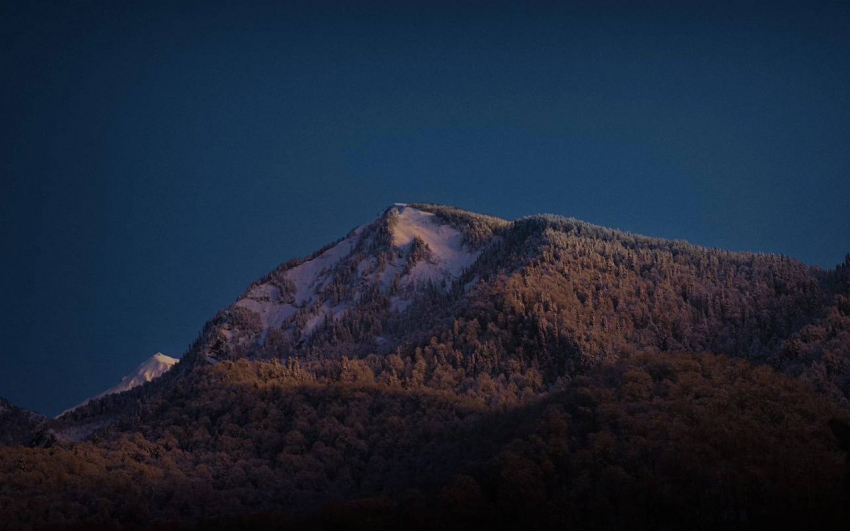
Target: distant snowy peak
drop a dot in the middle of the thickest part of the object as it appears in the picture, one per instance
(152, 368)
(403, 250)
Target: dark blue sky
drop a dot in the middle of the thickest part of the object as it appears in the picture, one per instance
(157, 159)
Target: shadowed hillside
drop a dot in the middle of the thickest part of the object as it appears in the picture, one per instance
(680, 440)
(17, 426)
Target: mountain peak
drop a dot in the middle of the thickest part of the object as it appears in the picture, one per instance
(446, 244)
(407, 250)
(150, 369)
(159, 357)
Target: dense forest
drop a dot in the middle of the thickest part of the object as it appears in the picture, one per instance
(651, 440)
(554, 296)
(570, 375)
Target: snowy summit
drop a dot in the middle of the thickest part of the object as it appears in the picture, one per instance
(400, 252)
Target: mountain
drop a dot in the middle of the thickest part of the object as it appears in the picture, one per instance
(17, 425)
(153, 367)
(553, 294)
(440, 368)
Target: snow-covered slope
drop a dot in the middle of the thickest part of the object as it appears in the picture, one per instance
(297, 288)
(396, 255)
(448, 255)
(152, 368)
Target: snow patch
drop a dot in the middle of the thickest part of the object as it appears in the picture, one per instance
(272, 314)
(449, 255)
(313, 275)
(309, 278)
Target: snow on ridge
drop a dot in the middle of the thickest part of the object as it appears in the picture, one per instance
(307, 275)
(448, 256)
(309, 278)
(447, 259)
(152, 368)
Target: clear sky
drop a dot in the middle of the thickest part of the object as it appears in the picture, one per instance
(156, 158)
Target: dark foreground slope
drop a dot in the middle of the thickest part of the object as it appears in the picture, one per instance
(678, 440)
(17, 425)
(438, 367)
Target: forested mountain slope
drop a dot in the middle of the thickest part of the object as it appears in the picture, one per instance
(680, 441)
(438, 366)
(544, 294)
